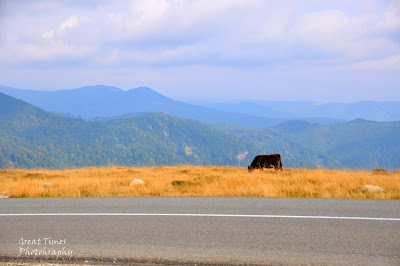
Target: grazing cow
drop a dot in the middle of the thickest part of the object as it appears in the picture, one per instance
(266, 161)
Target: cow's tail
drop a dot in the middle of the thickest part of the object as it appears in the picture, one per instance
(280, 163)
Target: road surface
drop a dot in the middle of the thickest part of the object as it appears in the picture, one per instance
(201, 230)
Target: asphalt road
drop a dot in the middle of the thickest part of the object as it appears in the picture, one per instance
(205, 230)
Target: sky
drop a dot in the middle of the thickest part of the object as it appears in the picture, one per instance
(325, 51)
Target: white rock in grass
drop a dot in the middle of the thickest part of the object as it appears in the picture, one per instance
(371, 188)
(136, 182)
(4, 197)
(47, 184)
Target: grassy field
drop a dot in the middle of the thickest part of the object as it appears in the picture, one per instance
(197, 181)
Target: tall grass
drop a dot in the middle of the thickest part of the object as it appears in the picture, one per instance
(197, 181)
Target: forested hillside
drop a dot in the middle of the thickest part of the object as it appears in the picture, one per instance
(294, 153)
(32, 138)
(359, 144)
(356, 144)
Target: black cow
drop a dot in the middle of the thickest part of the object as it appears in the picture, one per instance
(266, 161)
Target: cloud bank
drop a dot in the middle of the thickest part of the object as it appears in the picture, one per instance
(182, 47)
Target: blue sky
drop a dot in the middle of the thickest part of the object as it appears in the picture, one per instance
(328, 51)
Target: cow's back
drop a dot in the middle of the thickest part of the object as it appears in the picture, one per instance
(257, 160)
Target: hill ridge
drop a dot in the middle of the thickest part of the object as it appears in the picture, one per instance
(86, 104)
(34, 138)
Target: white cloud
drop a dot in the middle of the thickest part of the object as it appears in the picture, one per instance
(391, 18)
(70, 22)
(110, 58)
(48, 34)
(237, 34)
(388, 63)
(335, 34)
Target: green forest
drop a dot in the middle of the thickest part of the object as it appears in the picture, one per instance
(33, 138)
(358, 144)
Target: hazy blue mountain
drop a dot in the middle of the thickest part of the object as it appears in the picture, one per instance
(322, 113)
(250, 108)
(103, 101)
(32, 138)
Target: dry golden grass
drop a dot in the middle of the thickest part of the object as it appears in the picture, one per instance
(197, 181)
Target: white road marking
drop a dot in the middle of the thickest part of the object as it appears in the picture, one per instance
(203, 215)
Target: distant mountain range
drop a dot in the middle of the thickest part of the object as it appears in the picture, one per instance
(314, 112)
(96, 102)
(31, 137)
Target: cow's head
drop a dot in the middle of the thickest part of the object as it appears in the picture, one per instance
(250, 168)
